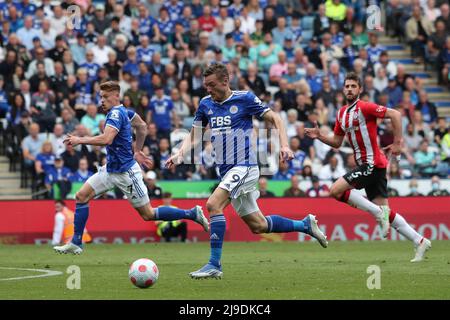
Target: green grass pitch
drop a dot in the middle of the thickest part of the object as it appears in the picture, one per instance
(256, 270)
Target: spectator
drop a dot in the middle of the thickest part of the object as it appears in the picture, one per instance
(161, 112)
(427, 108)
(56, 138)
(27, 33)
(425, 160)
(321, 22)
(262, 186)
(44, 160)
(40, 57)
(329, 51)
(436, 190)
(83, 173)
(269, 19)
(414, 189)
(71, 158)
(394, 93)
(380, 82)
(441, 130)
(335, 10)
(68, 121)
(359, 37)
(296, 164)
(91, 119)
(180, 106)
(277, 70)
(412, 138)
(58, 175)
(284, 172)
(317, 190)
(254, 81)
(42, 107)
(331, 171)
(384, 62)
(294, 190)
(418, 29)
(266, 53)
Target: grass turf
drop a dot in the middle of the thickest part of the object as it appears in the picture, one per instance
(257, 270)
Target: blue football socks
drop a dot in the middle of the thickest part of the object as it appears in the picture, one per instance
(81, 216)
(172, 213)
(217, 232)
(278, 224)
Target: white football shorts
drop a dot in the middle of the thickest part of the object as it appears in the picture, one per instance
(131, 183)
(241, 182)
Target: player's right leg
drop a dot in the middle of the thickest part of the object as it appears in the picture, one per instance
(97, 184)
(343, 191)
(215, 205)
(83, 196)
(247, 208)
(132, 185)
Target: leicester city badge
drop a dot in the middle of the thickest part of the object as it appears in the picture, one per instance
(233, 109)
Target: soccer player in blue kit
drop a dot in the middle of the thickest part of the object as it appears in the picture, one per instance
(122, 169)
(229, 115)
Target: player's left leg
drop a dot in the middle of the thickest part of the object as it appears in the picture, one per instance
(398, 222)
(247, 208)
(132, 185)
(216, 203)
(361, 177)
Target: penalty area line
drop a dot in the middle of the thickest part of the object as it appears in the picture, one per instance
(47, 273)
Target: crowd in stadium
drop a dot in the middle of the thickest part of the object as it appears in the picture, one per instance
(291, 54)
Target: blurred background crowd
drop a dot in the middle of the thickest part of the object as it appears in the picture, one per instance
(293, 54)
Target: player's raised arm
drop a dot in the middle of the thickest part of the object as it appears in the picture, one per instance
(396, 119)
(285, 151)
(190, 141)
(141, 131)
(106, 138)
(334, 141)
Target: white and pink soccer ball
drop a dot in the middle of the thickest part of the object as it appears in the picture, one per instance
(143, 273)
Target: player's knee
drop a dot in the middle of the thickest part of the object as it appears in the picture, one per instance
(81, 197)
(258, 228)
(148, 214)
(335, 192)
(212, 207)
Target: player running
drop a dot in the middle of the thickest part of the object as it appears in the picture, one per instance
(122, 169)
(358, 121)
(229, 115)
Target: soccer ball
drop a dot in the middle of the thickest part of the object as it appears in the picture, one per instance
(143, 273)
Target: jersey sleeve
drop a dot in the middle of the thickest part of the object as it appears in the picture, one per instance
(370, 109)
(200, 118)
(255, 106)
(130, 114)
(337, 127)
(114, 119)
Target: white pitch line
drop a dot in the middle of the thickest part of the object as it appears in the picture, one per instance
(48, 273)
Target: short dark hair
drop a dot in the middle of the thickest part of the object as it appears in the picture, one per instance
(166, 195)
(219, 69)
(110, 86)
(353, 76)
(60, 202)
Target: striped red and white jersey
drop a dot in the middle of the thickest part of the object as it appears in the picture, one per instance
(359, 123)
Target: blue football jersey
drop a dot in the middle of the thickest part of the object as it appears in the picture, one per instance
(119, 154)
(231, 123)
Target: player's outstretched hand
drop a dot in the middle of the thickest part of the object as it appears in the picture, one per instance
(286, 154)
(142, 159)
(173, 160)
(71, 140)
(394, 149)
(313, 133)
